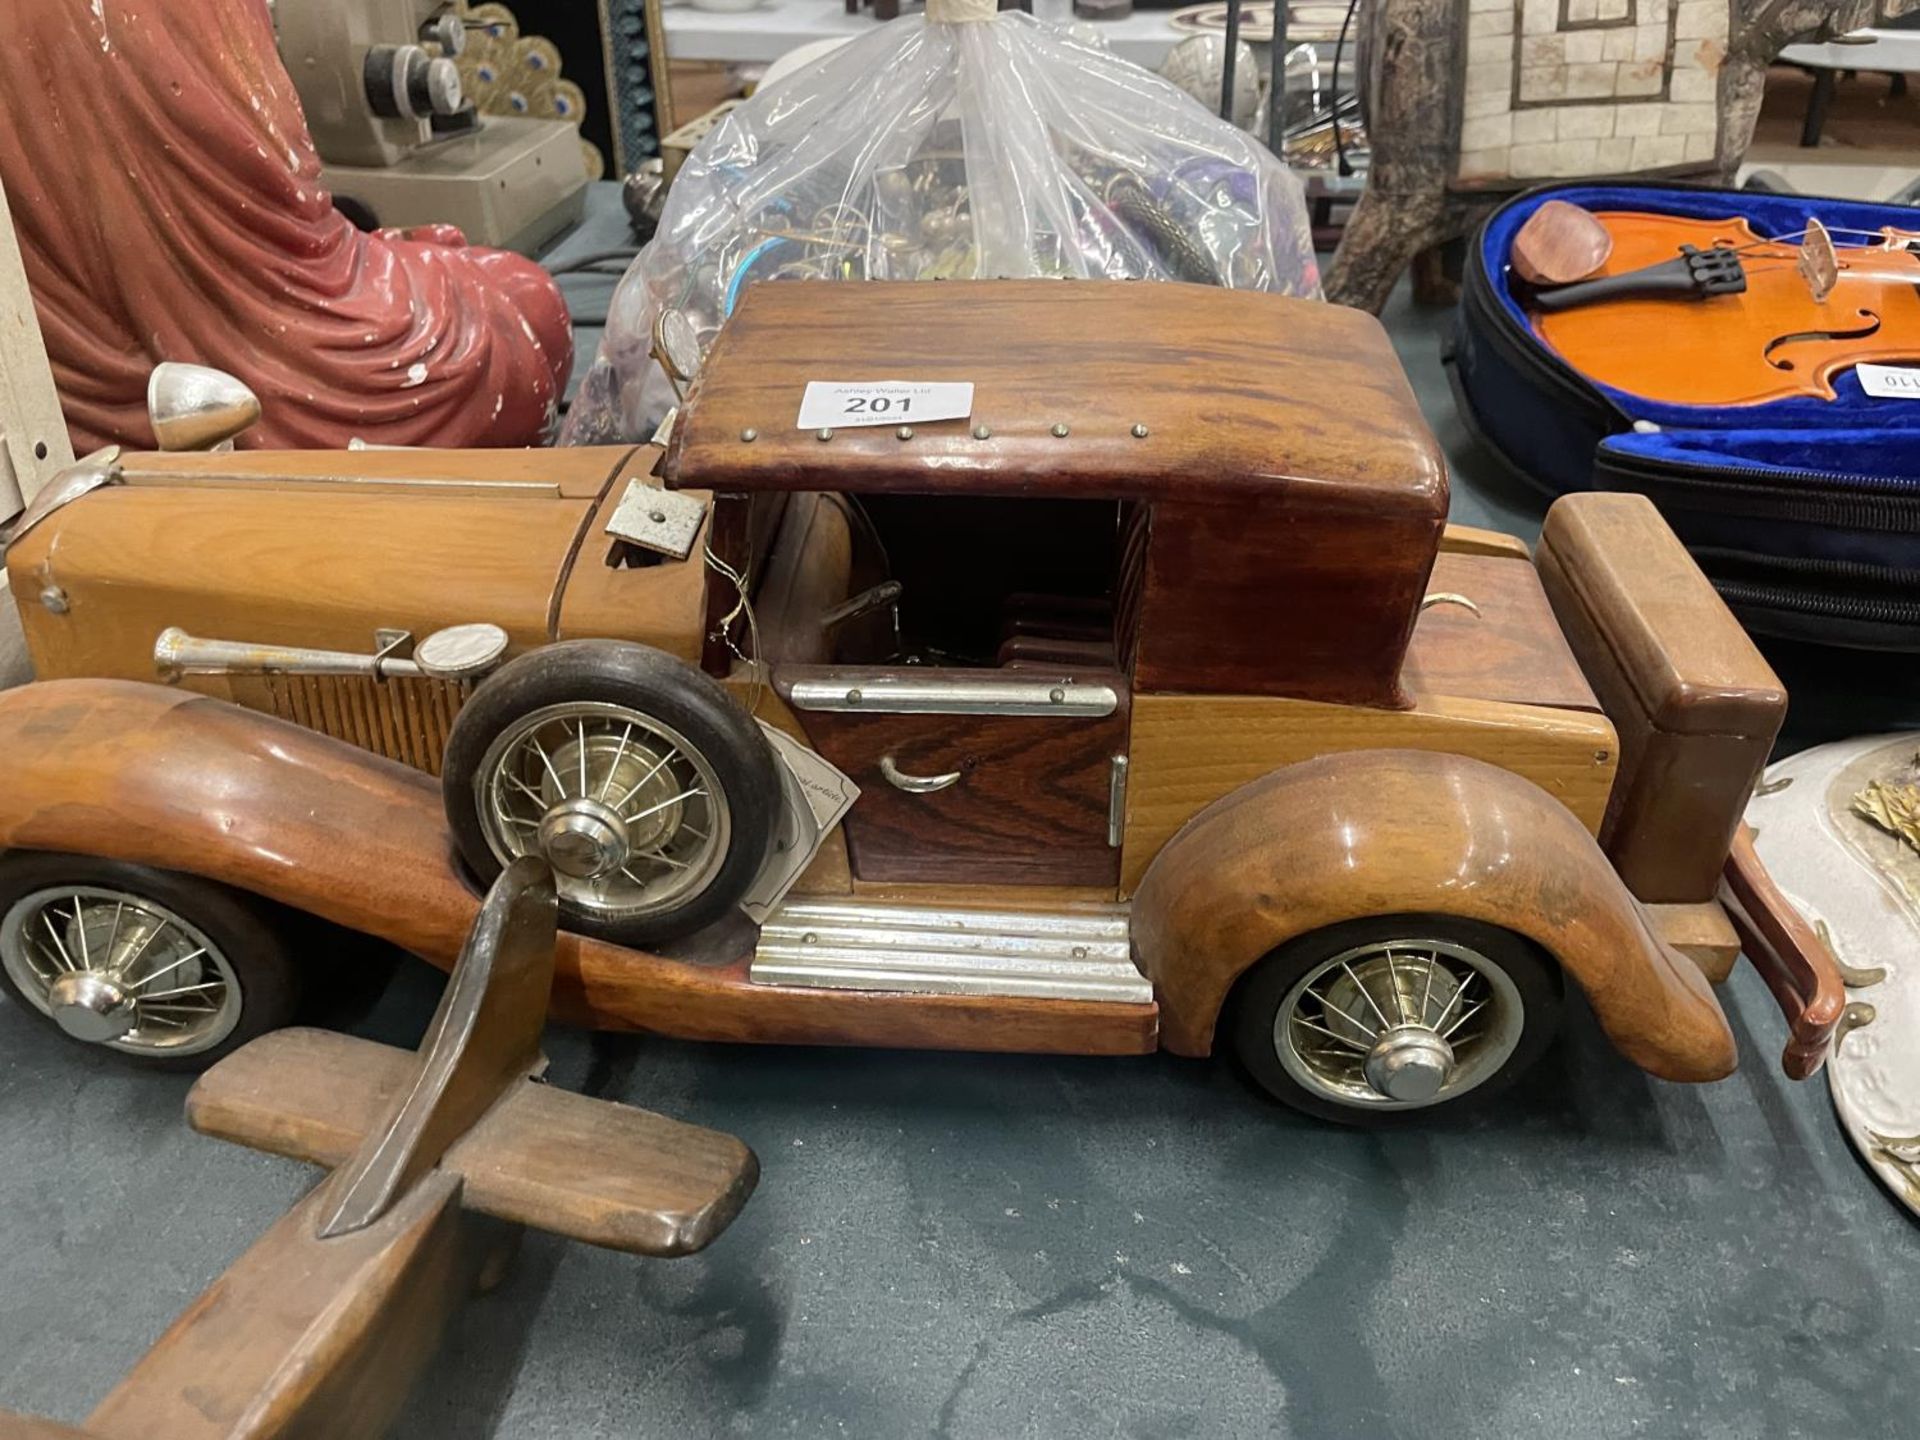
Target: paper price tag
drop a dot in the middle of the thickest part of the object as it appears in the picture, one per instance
(833, 403)
(1889, 382)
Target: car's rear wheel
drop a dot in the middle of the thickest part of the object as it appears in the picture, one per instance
(165, 968)
(1371, 1020)
(650, 792)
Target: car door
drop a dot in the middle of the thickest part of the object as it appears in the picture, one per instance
(973, 776)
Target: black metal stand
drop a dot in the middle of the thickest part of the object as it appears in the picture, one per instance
(1277, 83)
(1229, 61)
(1824, 82)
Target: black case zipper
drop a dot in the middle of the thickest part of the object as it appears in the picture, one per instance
(1865, 609)
(1757, 493)
(1848, 589)
(1828, 602)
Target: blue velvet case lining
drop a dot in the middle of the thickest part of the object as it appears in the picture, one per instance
(1873, 443)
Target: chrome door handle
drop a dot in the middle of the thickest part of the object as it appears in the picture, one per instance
(915, 784)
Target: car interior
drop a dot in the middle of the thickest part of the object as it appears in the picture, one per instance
(964, 581)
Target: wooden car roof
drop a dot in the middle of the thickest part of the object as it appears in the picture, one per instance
(1240, 393)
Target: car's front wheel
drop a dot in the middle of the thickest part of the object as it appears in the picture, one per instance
(1368, 1020)
(650, 792)
(165, 968)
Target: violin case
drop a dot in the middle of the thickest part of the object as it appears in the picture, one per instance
(1804, 512)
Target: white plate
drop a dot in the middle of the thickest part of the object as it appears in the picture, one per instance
(1863, 886)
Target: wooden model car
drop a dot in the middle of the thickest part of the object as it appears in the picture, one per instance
(1170, 709)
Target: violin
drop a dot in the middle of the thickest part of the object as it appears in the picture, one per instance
(1710, 312)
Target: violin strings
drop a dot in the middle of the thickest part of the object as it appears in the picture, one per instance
(1799, 236)
(1883, 279)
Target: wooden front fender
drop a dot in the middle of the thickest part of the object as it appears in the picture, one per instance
(161, 777)
(1388, 832)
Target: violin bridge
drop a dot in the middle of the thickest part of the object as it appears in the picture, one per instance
(1818, 264)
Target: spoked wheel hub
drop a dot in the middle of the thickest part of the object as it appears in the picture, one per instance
(1399, 1025)
(91, 1006)
(113, 968)
(1409, 1062)
(584, 839)
(629, 814)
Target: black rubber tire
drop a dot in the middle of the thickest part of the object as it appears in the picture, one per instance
(1535, 974)
(619, 672)
(246, 929)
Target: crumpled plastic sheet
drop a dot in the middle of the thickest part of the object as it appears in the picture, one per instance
(923, 150)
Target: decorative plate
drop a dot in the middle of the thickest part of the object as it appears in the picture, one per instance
(1839, 827)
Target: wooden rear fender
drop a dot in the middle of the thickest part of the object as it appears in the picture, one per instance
(1388, 832)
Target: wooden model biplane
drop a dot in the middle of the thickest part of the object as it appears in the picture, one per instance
(437, 1159)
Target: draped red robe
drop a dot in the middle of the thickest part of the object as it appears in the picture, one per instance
(167, 200)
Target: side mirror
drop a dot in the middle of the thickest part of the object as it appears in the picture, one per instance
(194, 407)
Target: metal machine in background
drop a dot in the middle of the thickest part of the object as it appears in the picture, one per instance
(400, 142)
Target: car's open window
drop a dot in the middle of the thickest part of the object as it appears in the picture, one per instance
(987, 581)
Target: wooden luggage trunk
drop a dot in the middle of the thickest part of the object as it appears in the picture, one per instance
(1696, 707)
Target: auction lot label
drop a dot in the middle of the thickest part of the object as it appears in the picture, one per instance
(829, 404)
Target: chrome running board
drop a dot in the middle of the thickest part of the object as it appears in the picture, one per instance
(1078, 954)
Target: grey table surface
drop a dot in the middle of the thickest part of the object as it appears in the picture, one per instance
(1013, 1246)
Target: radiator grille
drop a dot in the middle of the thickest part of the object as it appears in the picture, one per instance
(404, 719)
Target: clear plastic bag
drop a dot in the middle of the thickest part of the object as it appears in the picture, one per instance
(997, 147)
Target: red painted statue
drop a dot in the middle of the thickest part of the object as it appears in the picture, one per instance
(166, 197)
